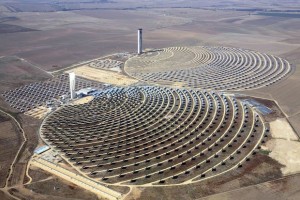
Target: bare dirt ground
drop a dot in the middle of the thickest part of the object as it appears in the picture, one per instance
(18, 154)
(4, 196)
(57, 188)
(10, 139)
(284, 146)
(15, 72)
(30, 127)
(53, 189)
(281, 129)
(285, 188)
(37, 174)
(103, 76)
(294, 120)
(287, 153)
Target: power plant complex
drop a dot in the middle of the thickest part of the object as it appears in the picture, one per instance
(173, 123)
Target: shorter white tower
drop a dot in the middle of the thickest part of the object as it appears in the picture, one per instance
(140, 41)
(72, 85)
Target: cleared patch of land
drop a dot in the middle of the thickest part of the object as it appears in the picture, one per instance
(83, 100)
(4, 196)
(287, 153)
(103, 76)
(281, 129)
(284, 146)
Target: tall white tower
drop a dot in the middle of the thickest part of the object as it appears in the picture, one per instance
(140, 41)
(72, 85)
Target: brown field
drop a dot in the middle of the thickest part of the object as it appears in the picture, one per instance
(52, 189)
(8, 28)
(103, 76)
(15, 72)
(285, 188)
(30, 127)
(294, 120)
(9, 142)
(4, 196)
(59, 35)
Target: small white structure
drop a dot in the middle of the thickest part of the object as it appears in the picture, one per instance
(41, 149)
(140, 41)
(72, 85)
(63, 97)
(85, 91)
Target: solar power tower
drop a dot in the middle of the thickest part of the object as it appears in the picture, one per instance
(140, 41)
(72, 85)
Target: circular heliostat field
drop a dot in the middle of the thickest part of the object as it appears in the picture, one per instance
(216, 68)
(155, 135)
